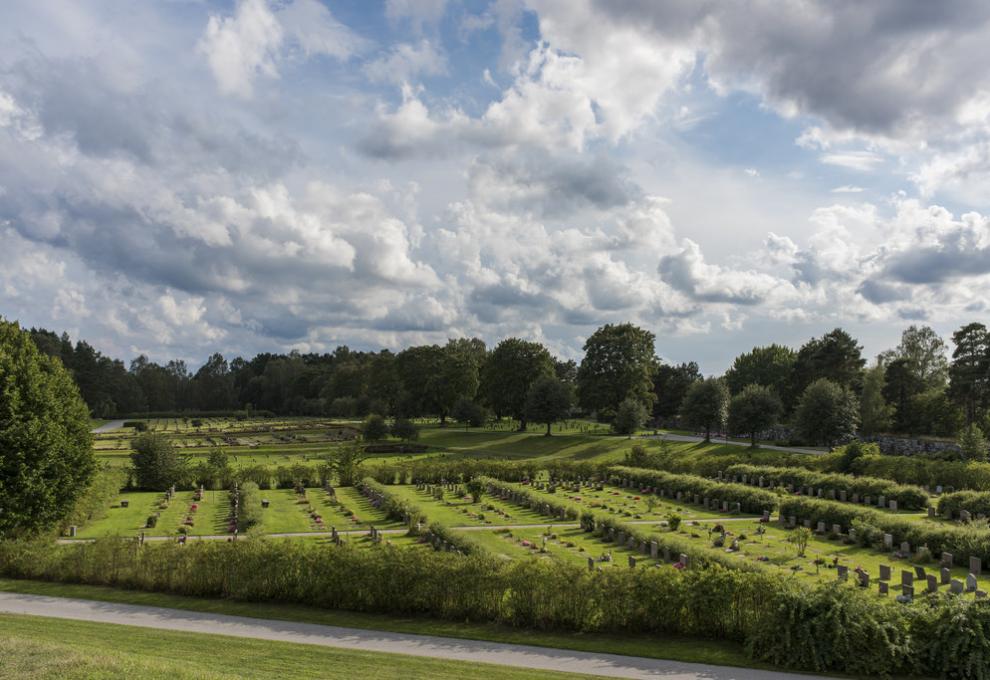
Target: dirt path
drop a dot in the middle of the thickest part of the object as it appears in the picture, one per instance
(521, 656)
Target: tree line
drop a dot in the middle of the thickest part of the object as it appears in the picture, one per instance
(914, 388)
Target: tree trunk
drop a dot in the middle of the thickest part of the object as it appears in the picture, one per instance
(522, 424)
(708, 435)
(548, 430)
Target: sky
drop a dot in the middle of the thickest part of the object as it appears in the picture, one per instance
(183, 177)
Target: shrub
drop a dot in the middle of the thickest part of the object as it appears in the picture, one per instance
(974, 502)
(749, 499)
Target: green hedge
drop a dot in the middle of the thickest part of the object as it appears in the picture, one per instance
(962, 541)
(750, 500)
(907, 497)
(826, 629)
(974, 502)
(926, 471)
(395, 507)
(248, 506)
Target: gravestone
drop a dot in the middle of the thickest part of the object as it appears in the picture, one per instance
(888, 541)
(931, 512)
(679, 496)
(736, 508)
(981, 594)
(836, 529)
(893, 505)
(946, 575)
(964, 516)
(666, 554)
(864, 579)
(947, 560)
(975, 566)
(766, 516)
(654, 549)
(821, 528)
(908, 592)
(907, 578)
(866, 500)
(884, 572)
(807, 524)
(938, 489)
(884, 587)
(685, 560)
(831, 494)
(792, 521)
(919, 573)
(905, 548)
(855, 498)
(956, 586)
(632, 561)
(970, 583)
(124, 504)
(72, 531)
(882, 501)
(841, 572)
(842, 495)
(932, 583)
(591, 564)
(725, 506)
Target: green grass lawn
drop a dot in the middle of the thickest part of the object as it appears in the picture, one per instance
(676, 648)
(38, 647)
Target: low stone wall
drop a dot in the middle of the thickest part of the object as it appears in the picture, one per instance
(909, 446)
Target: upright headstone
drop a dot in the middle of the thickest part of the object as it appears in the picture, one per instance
(905, 548)
(931, 512)
(766, 516)
(882, 501)
(685, 560)
(842, 495)
(946, 575)
(947, 560)
(632, 561)
(965, 516)
(907, 578)
(932, 583)
(956, 586)
(884, 572)
(654, 549)
(591, 564)
(970, 583)
(841, 572)
(919, 573)
(888, 541)
(883, 587)
(836, 529)
(821, 528)
(893, 505)
(975, 566)
(864, 579)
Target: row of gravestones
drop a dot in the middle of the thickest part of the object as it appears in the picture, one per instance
(713, 504)
(651, 548)
(829, 494)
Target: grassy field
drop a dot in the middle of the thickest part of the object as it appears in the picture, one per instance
(38, 647)
(658, 647)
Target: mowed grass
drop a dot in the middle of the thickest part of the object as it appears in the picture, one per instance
(660, 647)
(210, 517)
(39, 647)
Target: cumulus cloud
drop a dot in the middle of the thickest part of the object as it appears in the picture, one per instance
(406, 62)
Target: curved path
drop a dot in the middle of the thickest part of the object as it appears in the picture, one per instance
(108, 427)
(521, 656)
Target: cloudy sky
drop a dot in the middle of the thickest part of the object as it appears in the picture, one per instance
(180, 177)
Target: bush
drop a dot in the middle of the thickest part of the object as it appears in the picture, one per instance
(405, 430)
(469, 412)
(248, 506)
(394, 506)
(974, 502)
(750, 499)
(629, 417)
(374, 428)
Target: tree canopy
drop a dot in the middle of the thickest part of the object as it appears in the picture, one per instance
(826, 413)
(705, 405)
(509, 371)
(619, 362)
(550, 400)
(755, 409)
(46, 456)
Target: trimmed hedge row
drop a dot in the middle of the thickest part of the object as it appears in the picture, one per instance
(395, 507)
(750, 500)
(870, 525)
(926, 471)
(826, 629)
(907, 497)
(974, 502)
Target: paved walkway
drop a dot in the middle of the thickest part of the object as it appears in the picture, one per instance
(670, 436)
(521, 656)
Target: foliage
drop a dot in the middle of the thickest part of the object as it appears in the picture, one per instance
(509, 371)
(157, 463)
(99, 494)
(670, 384)
(974, 502)
(907, 497)
(754, 410)
(969, 374)
(394, 506)
(629, 417)
(469, 412)
(248, 506)
(46, 460)
(972, 443)
(705, 406)
(476, 488)
(405, 430)
(619, 363)
(875, 414)
(826, 413)
(770, 366)
(800, 537)
(750, 499)
(374, 428)
(836, 356)
(550, 400)
(345, 463)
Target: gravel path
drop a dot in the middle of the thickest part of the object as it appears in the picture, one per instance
(670, 436)
(522, 656)
(107, 427)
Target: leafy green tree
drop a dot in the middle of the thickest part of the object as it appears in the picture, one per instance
(509, 372)
(670, 384)
(705, 406)
(799, 538)
(469, 412)
(972, 443)
(550, 400)
(932, 412)
(900, 387)
(835, 356)
(874, 412)
(924, 351)
(476, 488)
(219, 465)
(771, 366)
(46, 456)
(345, 463)
(619, 362)
(374, 428)
(969, 374)
(826, 413)
(755, 409)
(405, 430)
(457, 377)
(157, 463)
(417, 368)
(629, 417)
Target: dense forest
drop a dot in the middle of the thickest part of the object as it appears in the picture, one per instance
(916, 387)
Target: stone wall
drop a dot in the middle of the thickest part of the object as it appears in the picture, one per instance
(909, 446)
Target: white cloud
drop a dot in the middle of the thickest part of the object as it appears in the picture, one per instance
(406, 62)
